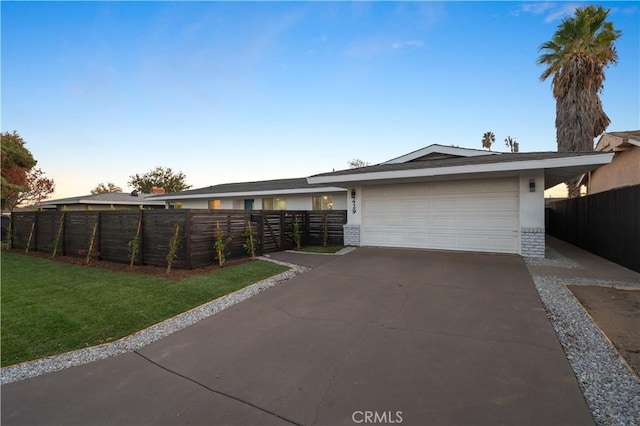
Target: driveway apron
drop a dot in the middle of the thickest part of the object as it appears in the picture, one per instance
(393, 335)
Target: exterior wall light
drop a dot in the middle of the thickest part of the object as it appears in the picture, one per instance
(532, 185)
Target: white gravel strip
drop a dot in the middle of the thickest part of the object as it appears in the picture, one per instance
(338, 253)
(610, 388)
(144, 337)
(554, 259)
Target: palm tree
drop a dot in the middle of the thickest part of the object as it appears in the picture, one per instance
(512, 144)
(576, 56)
(488, 139)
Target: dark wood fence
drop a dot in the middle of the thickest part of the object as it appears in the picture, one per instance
(72, 231)
(606, 224)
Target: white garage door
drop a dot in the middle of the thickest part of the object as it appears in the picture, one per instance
(478, 215)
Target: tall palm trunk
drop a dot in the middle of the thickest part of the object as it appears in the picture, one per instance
(579, 113)
(576, 56)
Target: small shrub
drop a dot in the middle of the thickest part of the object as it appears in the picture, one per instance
(134, 245)
(93, 254)
(173, 247)
(296, 232)
(220, 245)
(56, 242)
(250, 240)
(90, 251)
(325, 231)
(33, 227)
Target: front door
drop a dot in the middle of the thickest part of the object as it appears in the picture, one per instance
(248, 204)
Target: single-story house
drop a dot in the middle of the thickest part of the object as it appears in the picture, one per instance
(624, 169)
(106, 201)
(279, 194)
(443, 197)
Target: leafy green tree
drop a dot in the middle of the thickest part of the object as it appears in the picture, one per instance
(512, 144)
(105, 189)
(160, 177)
(576, 57)
(16, 162)
(488, 139)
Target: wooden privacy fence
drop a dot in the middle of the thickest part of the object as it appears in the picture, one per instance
(606, 224)
(71, 232)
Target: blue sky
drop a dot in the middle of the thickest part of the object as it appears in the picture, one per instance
(229, 92)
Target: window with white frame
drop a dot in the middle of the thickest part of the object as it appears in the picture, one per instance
(322, 202)
(274, 204)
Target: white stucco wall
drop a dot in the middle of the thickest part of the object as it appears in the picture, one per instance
(532, 203)
(532, 232)
(294, 201)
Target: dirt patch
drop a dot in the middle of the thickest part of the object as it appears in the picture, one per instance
(617, 312)
(155, 271)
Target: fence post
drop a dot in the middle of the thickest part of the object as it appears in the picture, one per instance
(99, 222)
(282, 230)
(10, 230)
(187, 239)
(142, 230)
(307, 230)
(260, 223)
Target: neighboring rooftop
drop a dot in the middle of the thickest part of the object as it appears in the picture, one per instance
(618, 141)
(629, 134)
(115, 198)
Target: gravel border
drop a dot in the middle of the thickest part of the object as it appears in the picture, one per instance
(553, 258)
(340, 252)
(610, 388)
(138, 340)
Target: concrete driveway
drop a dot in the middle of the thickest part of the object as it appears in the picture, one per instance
(378, 335)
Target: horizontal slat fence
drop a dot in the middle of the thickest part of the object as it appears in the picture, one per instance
(157, 233)
(115, 230)
(606, 224)
(78, 230)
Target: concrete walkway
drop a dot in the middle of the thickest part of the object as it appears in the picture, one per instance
(587, 265)
(408, 336)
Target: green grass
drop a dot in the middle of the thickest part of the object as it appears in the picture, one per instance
(320, 249)
(50, 308)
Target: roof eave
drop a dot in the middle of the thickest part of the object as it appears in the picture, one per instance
(521, 165)
(214, 195)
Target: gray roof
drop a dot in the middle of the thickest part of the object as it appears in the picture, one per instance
(460, 161)
(106, 198)
(262, 185)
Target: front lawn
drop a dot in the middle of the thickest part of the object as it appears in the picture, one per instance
(50, 308)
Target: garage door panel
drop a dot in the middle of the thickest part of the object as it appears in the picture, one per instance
(433, 222)
(470, 204)
(487, 204)
(464, 215)
(494, 243)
